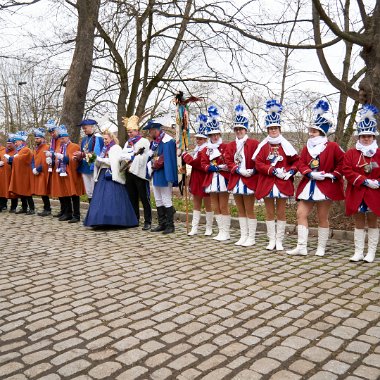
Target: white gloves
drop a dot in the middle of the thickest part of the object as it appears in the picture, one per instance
(59, 156)
(150, 153)
(329, 175)
(49, 161)
(223, 167)
(318, 176)
(246, 172)
(48, 153)
(287, 175)
(150, 169)
(1, 163)
(372, 184)
(36, 172)
(7, 156)
(280, 173)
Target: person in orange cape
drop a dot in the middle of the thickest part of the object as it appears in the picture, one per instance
(40, 181)
(21, 178)
(66, 182)
(5, 175)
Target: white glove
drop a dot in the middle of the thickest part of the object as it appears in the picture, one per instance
(246, 172)
(329, 175)
(48, 153)
(223, 167)
(150, 153)
(150, 169)
(59, 156)
(318, 176)
(99, 159)
(36, 172)
(49, 161)
(280, 173)
(1, 163)
(7, 156)
(372, 184)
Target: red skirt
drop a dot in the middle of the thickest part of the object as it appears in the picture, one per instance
(196, 181)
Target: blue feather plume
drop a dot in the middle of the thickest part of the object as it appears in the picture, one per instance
(239, 108)
(273, 106)
(321, 107)
(213, 111)
(202, 118)
(368, 111)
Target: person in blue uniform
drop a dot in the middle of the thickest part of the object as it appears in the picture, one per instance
(162, 168)
(91, 143)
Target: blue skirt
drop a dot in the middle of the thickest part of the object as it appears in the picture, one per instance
(110, 205)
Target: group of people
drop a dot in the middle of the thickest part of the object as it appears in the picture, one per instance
(116, 179)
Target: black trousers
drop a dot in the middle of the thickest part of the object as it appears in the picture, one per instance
(46, 201)
(3, 202)
(27, 201)
(138, 189)
(71, 206)
(14, 203)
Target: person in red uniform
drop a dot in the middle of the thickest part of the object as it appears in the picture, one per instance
(216, 180)
(322, 182)
(276, 163)
(3, 199)
(66, 182)
(40, 181)
(243, 178)
(361, 167)
(196, 179)
(6, 172)
(21, 179)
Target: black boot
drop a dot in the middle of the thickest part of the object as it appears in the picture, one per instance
(47, 207)
(170, 211)
(67, 209)
(14, 203)
(161, 216)
(62, 205)
(76, 209)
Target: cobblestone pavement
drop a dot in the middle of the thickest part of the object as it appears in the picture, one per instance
(127, 304)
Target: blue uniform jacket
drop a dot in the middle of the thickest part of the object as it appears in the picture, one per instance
(169, 173)
(84, 167)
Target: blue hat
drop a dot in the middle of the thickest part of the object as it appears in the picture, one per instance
(240, 120)
(51, 125)
(367, 122)
(39, 132)
(62, 131)
(152, 123)
(320, 122)
(273, 117)
(20, 136)
(212, 121)
(11, 138)
(88, 122)
(203, 129)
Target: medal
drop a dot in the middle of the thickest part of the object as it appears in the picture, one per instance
(314, 163)
(367, 168)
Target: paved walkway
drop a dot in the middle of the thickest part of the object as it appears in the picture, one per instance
(82, 304)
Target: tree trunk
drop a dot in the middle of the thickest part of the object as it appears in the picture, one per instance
(80, 70)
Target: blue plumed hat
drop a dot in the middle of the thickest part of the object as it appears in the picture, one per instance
(62, 131)
(273, 117)
(152, 123)
(212, 121)
(88, 122)
(203, 129)
(51, 125)
(367, 123)
(320, 122)
(20, 136)
(39, 132)
(240, 120)
(11, 138)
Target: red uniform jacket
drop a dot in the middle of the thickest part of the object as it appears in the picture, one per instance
(249, 148)
(197, 176)
(5, 175)
(205, 164)
(72, 184)
(40, 181)
(266, 179)
(21, 178)
(356, 192)
(330, 161)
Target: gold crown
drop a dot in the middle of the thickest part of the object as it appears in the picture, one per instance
(131, 123)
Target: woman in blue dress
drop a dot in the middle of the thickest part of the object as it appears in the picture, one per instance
(110, 204)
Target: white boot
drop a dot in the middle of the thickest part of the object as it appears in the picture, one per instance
(195, 223)
(373, 239)
(323, 236)
(252, 225)
(359, 238)
(271, 233)
(219, 222)
(243, 222)
(301, 248)
(226, 224)
(280, 234)
(209, 222)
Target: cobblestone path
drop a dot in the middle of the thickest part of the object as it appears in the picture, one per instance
(127, 304)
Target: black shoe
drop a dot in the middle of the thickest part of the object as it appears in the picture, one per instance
(169, 230)
(74, 219)
(12, 211)
(30, 212)
(161, 216)
(65, 218)
(58, 215)
(147, 226)
(22, 211)
(4, 208)
(170, 211)
(159, 228)
(44, 213)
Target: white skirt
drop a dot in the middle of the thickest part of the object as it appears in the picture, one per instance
(241, 189)
(217, 185)
(312, 193)
(275, 193)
